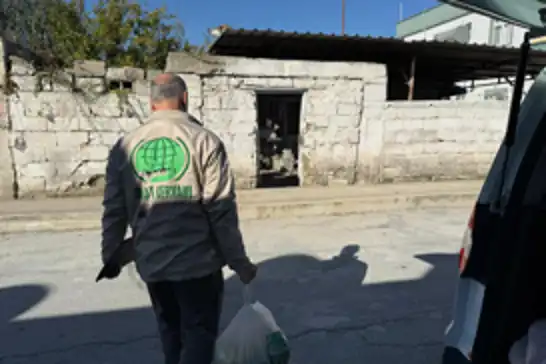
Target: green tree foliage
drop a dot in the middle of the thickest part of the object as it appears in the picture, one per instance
(52, 29)
(126, 34)
(120, 32)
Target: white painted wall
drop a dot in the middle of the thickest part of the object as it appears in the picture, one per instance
(480, 33)
(481, 89)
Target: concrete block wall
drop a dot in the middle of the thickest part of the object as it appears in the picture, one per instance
(229, 110)
(331, 119)
(432, 140)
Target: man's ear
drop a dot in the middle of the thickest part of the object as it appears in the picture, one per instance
(184, 99)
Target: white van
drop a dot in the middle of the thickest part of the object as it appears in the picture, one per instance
(502, 286)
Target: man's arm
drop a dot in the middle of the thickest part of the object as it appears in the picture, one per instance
(220, 204)
(114, 217)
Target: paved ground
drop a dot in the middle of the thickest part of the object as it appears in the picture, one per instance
(262, 196)
(357, 289)
(84, 213)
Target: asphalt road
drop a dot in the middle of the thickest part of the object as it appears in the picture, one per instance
(357, 289)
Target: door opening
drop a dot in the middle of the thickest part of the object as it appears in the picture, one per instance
(278, 139)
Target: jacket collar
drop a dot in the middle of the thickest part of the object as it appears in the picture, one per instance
(168, 114)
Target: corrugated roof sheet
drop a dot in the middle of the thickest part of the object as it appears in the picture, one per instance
(240, 35)
(460, 61)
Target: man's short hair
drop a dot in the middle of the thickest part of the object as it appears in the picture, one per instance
(172, 88)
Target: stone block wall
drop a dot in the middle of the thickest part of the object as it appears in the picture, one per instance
(55, 133)
(349, 132)
(330, 120)
(62, 127)
(333, 95)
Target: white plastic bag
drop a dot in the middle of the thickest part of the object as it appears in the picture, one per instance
(531, 349)
(252, 337)
(536, 349)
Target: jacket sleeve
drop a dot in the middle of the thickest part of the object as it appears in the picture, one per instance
(220, 205)
(114, 217)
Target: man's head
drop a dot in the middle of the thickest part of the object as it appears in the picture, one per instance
(169, 92)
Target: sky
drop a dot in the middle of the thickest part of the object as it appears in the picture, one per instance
(363, 17)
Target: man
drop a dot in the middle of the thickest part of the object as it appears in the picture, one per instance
(170, 181)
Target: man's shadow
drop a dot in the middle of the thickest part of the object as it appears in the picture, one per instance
(294, 286)
(330, 314)
(326, 308)
(16, 300)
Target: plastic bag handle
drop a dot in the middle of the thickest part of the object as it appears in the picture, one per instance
(247, 295)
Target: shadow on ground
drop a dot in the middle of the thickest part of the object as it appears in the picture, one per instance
(327, 312)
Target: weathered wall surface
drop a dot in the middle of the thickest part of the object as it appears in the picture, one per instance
(433, 140)
(59, 139)
(7, 175)
(55, 140)
(349, 132)
(331, 117)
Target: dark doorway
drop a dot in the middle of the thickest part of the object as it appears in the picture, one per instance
(278, 138)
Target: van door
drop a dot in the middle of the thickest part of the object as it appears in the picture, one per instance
(515, 296)
(486, 224)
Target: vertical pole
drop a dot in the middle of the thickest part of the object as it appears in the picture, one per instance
(411, 82)
(80, 4)
(343, 7)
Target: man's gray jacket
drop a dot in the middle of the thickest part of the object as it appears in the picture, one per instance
(170, 181)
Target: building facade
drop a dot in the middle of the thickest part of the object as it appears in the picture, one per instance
(282, 122)
(447, 23)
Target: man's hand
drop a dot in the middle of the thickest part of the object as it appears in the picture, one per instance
(112, 272)
(248, 273)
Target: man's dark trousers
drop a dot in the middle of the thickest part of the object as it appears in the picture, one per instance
(188, 315)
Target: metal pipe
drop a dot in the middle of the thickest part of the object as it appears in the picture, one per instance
(343, 7)
(80, 6)
(538, 40)
(510, 135)
(411, 89)
(518, 91)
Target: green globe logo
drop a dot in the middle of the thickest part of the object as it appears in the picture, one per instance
(161, 160)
